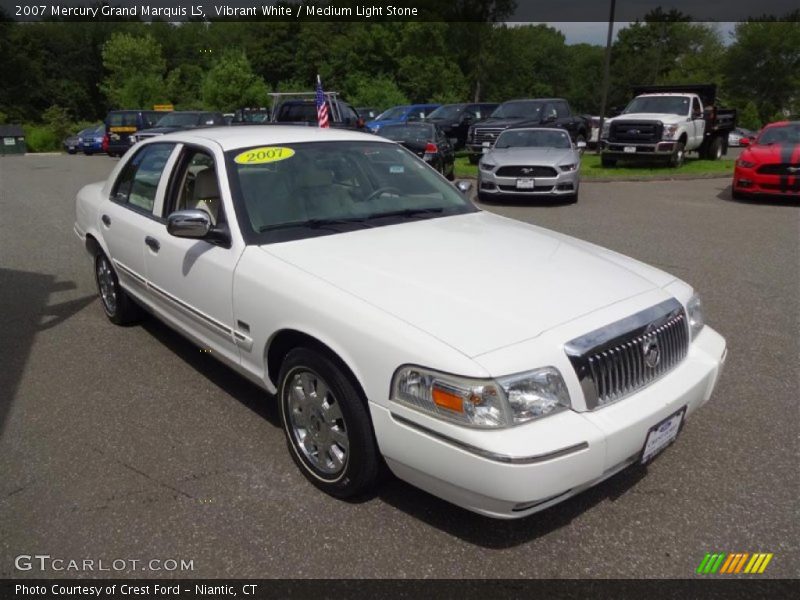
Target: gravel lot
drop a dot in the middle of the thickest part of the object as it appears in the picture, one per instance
(130, 443)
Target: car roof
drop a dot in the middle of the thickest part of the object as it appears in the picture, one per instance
(556, 129)
(231, 138)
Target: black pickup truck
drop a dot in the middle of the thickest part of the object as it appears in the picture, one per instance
(537, 112)
(301, 109)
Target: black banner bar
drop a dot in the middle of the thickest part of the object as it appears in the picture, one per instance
(728, 588)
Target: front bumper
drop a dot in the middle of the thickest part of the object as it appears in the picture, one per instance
(748, 181)
(516, 472)
(565, 183)
(618, 149)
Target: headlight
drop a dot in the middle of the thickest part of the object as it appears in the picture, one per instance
(745, 163)
(694, 311)
(606, 129)
(485, 166)
(483, 403)
(669, 132)
(570, 167)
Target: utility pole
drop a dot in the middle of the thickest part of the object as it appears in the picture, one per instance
(606, 72)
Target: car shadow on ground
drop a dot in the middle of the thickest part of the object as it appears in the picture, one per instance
(25, 303)
(500, 534)
(228, 380)
(762, 199)
(524, 202)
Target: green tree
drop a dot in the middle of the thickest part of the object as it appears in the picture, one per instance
(425, 69)
(231, 83)
(135, 71)
(381, 91)
(763, 65)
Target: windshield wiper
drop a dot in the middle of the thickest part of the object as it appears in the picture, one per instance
(313, 223)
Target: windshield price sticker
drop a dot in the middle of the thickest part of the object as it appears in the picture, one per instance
(265, 154)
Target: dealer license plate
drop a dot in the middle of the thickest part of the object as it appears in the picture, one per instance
(525, 184)
(630, 149)
(662, 435)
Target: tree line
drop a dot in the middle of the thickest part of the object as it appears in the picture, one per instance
(78, 70)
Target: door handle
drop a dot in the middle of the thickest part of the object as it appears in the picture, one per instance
(152, 243)
(106, 220)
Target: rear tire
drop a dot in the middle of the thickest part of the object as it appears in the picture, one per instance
(327, 425)
(473, 158)
(714, 150)
(119, 307)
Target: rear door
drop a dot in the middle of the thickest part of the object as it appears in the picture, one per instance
(127, 219)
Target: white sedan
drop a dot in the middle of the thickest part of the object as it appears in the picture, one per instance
(496, 364)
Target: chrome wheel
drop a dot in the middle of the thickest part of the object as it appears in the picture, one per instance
(106, 285)
(316, 422)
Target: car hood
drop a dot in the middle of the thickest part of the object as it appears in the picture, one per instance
(663, 117)
(774, 153)
(530, 156)
(477, 282)
(497, 123)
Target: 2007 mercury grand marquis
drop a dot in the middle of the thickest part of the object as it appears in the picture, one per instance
(496, 364)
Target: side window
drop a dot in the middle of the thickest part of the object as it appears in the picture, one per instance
(137, 183)
(196, 186)
(562, 110)
(348, 114)
(695, 106)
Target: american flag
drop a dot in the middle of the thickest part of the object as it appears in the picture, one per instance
(322, 106)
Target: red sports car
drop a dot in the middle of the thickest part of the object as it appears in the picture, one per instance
(771, 163)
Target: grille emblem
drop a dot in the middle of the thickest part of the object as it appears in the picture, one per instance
(793, 169)
(526, 170)
(634, 131)
(651, 352)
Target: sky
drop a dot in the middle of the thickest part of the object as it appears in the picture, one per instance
(595, 32)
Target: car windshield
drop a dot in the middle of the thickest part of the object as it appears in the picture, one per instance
(781, 134)
(178, 120)
(517, 109)
(676, 105)
(393, 113)
(408, 133)
(450, 111)
(530, 138)
(293, 191)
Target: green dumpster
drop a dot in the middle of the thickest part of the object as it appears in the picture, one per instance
(12, 140)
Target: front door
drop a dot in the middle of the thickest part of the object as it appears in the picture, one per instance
(191, 281)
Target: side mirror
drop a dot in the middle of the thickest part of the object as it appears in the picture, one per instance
(360, 122)
(463, 186)
(745, 141)
(581, 145)
(191, 223)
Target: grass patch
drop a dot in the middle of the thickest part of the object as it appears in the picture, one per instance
(591, 169)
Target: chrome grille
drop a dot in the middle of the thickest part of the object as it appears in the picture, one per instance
(487, 134)
(626, 356)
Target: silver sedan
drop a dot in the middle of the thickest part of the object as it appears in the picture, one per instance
(531, 163)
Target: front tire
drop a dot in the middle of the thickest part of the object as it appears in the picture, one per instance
(327, 425)
(678, 156)
(118, 306)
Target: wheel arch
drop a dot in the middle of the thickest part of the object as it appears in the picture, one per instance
(284, 340)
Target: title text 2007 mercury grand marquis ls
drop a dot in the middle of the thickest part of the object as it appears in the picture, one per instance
(496, 364)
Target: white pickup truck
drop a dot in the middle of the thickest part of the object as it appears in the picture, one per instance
(667, 122)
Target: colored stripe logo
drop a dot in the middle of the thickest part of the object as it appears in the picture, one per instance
(731, 563)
